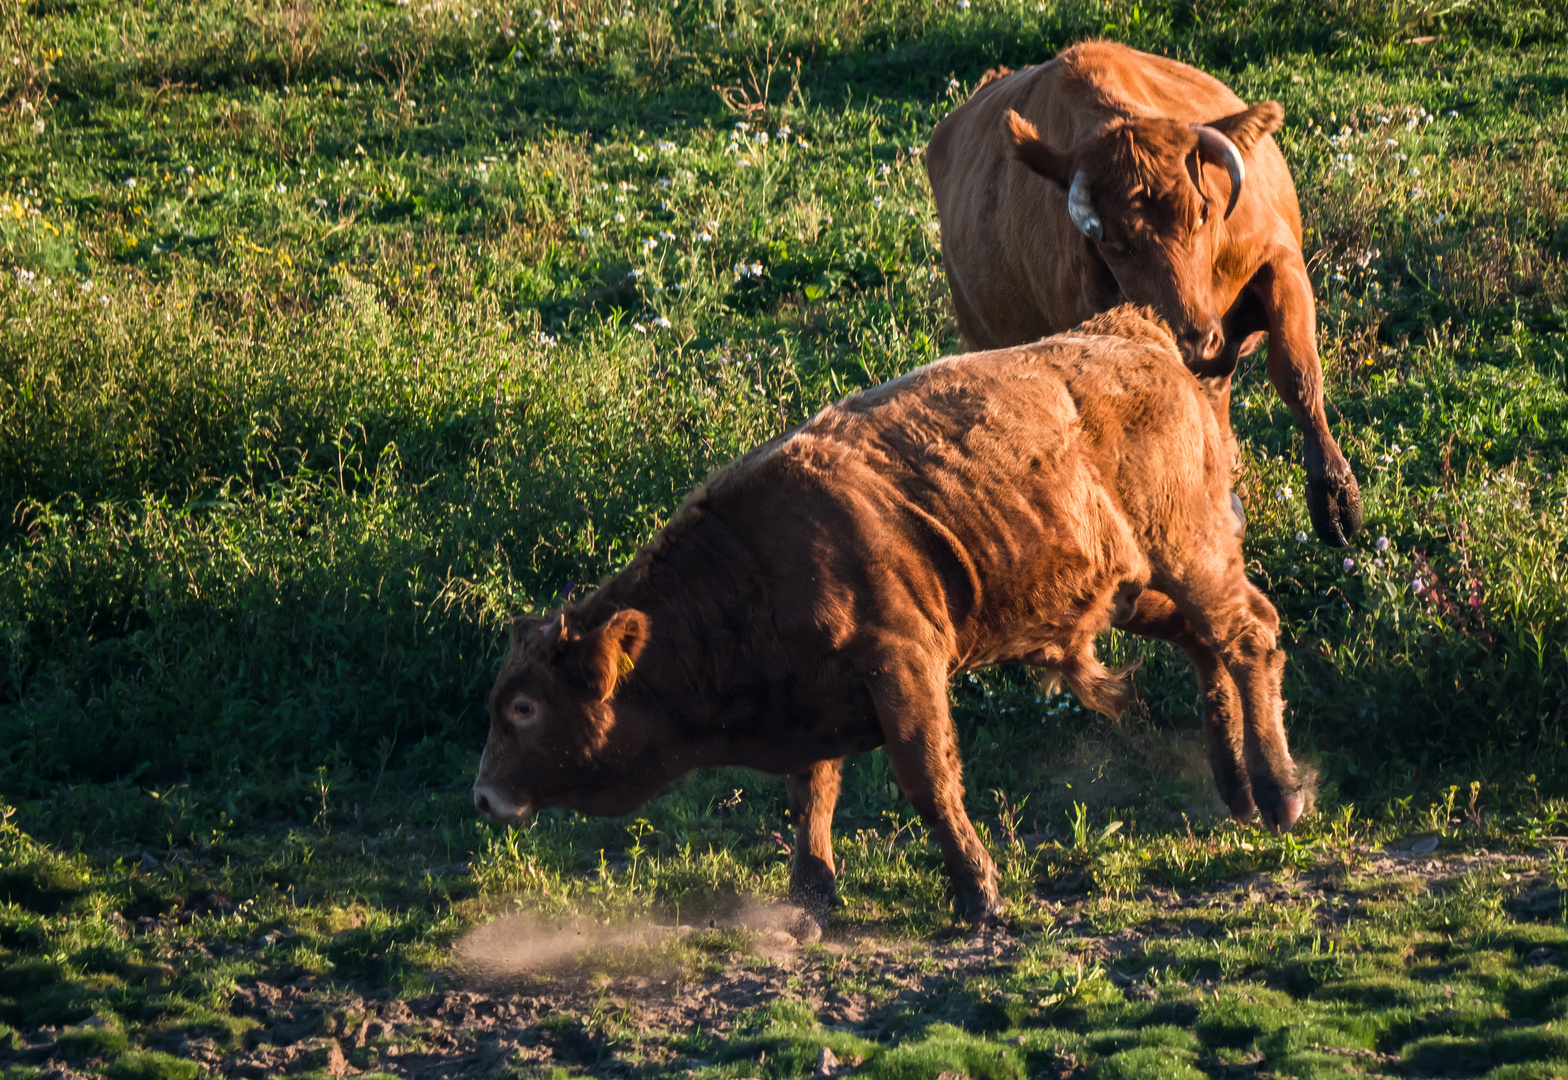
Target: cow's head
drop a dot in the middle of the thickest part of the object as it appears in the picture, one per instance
(553, 712)
(1152, 198)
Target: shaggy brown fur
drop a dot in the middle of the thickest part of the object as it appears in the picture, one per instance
(1001, 166)
(811, 600)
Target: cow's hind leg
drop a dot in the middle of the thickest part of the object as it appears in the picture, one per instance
(1157, 617)
(812, 884)
(911, 706)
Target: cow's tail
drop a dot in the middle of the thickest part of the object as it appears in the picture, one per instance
(1097, 686)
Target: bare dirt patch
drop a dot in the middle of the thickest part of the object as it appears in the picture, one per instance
(535, 991)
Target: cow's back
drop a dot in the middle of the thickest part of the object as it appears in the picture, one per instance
(961, 507)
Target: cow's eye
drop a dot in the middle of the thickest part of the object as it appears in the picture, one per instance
(1203, 212)
(523, 710)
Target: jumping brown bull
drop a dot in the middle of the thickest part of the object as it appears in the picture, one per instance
(812, 599)
(1110, 176)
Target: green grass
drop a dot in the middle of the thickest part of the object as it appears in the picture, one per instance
(332, 336)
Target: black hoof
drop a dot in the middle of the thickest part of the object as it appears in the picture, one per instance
(806, 928)
(814, 888)
(1335, 506)
(980, 907)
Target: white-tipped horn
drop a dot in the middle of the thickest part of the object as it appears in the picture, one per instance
(1081, 210)
(1215, 143)
(553, 631)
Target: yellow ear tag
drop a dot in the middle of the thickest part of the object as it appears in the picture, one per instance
(625, 665)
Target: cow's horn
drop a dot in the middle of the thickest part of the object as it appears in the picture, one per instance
(554, 631)
(1081, 210)
(1216, 143)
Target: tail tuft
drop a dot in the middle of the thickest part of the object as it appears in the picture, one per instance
(1097, 686)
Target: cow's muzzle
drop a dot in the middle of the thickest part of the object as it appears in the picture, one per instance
(498, 808)
(1201, 345)
(1283, 814)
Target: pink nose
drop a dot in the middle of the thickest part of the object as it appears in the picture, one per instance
(1213, 341)
(1286, 814)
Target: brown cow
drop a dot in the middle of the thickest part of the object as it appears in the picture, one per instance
(1110, 176)
(812, 599)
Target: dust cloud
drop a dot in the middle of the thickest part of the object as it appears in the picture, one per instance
(527, 943)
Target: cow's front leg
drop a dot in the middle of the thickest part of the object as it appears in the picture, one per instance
(812, 884)
(1241, 627)
(911, 705)
(1333, 498)
(1157, 617)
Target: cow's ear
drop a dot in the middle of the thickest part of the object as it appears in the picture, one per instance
(1024, 140)
(527, 626)
(1247, 127)
(612, 651)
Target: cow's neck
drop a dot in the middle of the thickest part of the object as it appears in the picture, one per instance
(699, 686)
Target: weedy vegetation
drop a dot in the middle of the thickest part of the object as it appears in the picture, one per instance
(335, 332)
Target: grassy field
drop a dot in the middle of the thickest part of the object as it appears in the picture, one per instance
(336, 332)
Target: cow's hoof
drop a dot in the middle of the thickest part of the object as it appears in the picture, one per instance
(982, 907)
(806, 928)
(1335, 506)
(814, 889)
